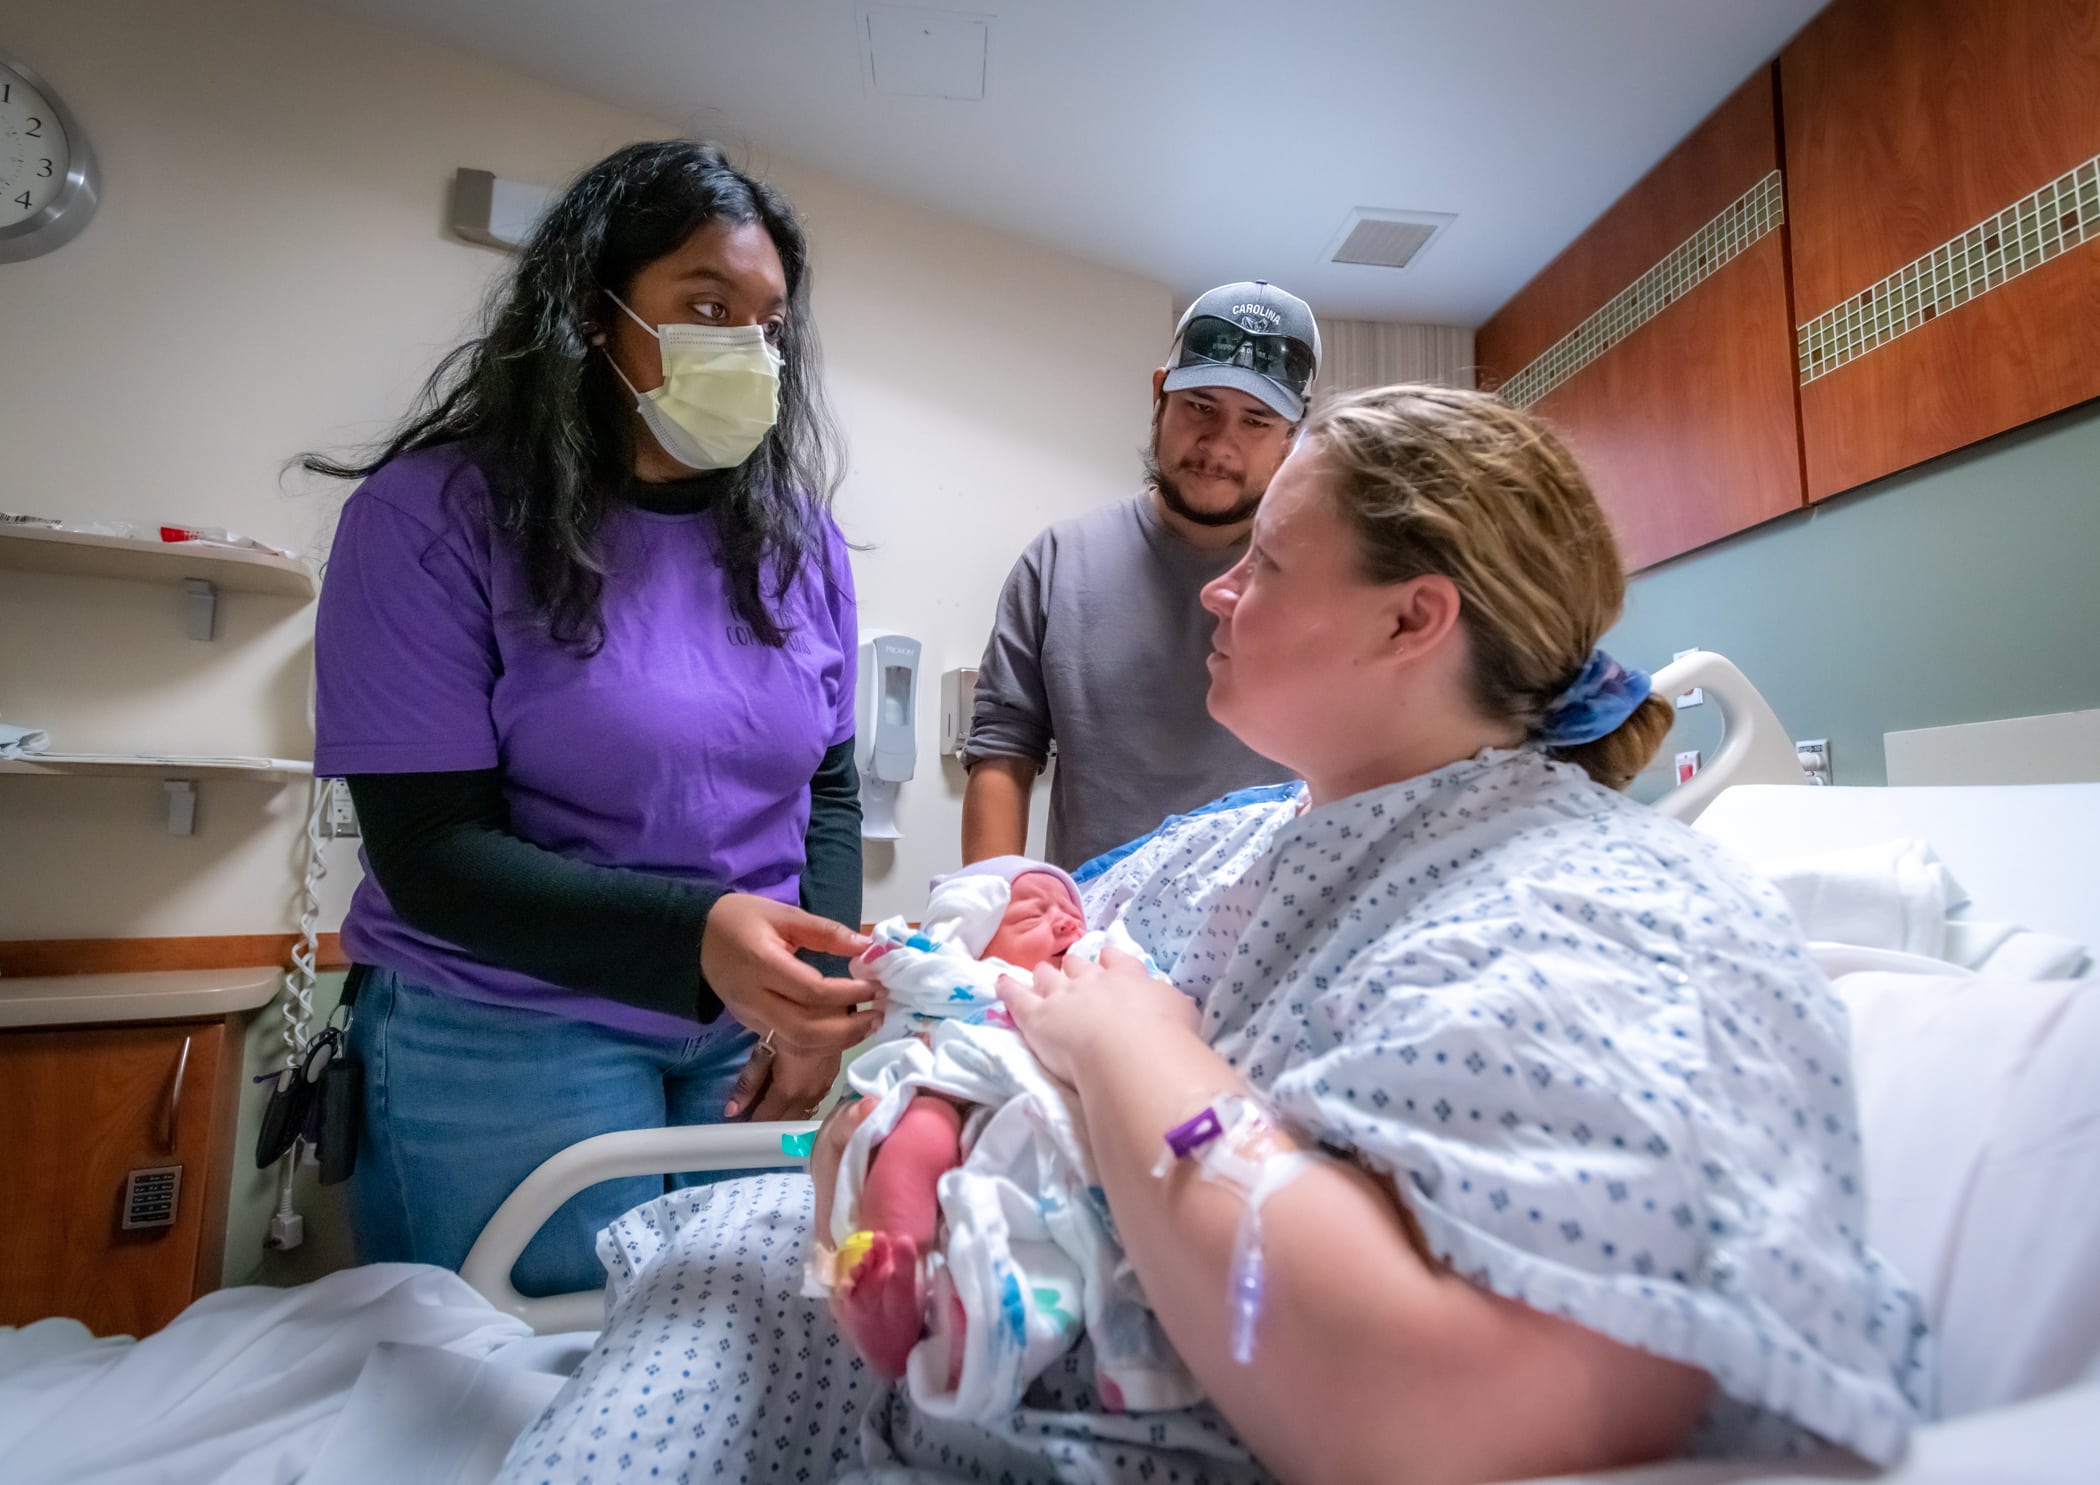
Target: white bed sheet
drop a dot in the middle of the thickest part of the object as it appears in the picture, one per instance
(2053, 1440)
(420, 1415)
(2045, 883)
(247, 1385)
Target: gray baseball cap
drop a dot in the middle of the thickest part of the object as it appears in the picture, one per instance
(1252, 337)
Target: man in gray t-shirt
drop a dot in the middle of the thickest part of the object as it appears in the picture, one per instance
(1101, 641)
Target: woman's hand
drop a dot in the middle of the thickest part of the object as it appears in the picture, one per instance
(1068, 1014)
(747, 953)
(781, 1085)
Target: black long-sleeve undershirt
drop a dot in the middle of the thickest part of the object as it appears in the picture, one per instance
(831, 852)
(441, 848)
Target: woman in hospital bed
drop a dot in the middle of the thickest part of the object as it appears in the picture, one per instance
(1493, 1125)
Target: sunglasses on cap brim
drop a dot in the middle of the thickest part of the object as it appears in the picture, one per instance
(1210, 341)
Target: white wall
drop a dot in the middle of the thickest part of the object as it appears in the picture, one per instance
(269, 273)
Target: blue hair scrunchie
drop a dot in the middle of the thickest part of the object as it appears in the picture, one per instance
(1603, 696)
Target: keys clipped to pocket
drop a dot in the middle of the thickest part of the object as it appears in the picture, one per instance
(317, 1101)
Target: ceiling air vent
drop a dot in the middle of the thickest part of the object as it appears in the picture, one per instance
(1386, 239)
(912, 52)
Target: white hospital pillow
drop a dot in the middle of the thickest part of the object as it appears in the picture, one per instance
(1980, 1112)
(1890, 895)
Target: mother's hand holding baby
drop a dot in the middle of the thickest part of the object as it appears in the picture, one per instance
(1084, 1014)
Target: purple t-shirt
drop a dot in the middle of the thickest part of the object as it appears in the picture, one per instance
(683, 747)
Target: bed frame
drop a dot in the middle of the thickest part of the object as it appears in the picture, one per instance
(607, 1157)
(1754, 747)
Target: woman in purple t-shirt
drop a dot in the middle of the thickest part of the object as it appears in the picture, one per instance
(586, 656)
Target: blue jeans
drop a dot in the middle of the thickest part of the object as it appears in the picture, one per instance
(462, 1100)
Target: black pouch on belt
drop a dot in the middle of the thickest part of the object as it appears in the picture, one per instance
(342, 1100)
(320, 1100)
(284, 1116)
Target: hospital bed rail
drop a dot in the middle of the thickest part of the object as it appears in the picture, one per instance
(1754, 746)
(607, 1157)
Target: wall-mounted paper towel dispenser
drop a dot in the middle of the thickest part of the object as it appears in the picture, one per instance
(958, 701)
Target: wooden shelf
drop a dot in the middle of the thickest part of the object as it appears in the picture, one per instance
(159, 766)
(160, 995)
(232, 569)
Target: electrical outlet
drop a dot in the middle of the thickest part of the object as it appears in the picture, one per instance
(1814, 756)
(342, 815)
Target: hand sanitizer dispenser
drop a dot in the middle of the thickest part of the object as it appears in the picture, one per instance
(888, 747)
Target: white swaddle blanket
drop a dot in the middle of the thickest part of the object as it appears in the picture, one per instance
(1029, 1246)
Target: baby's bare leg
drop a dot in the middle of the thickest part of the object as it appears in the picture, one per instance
(899, 1196)
(882, 1308)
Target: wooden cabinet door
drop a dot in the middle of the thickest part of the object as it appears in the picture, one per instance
(1911, 124)
(1679, 400)
(80, 1109)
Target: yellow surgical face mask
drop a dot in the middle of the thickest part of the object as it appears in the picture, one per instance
(721, 391)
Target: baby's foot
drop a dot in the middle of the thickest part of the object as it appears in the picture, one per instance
(882, 1305)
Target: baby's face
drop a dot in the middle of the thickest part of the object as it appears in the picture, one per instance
(1041, 922)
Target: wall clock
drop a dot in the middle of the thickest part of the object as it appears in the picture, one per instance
(48, 180)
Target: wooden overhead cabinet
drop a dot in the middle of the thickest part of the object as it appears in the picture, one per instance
(1661, 342)
(1943, 201)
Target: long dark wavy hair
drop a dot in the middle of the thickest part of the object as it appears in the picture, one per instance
(551, 426)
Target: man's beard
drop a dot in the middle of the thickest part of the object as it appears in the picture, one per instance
(1170, 495)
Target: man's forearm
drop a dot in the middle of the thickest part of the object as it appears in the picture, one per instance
(995, 808)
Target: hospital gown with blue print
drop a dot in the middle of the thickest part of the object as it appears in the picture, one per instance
(1588, 1048)
(1583, 1042)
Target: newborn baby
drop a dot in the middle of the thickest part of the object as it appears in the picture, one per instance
(969, 1243)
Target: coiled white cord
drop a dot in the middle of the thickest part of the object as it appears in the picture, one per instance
(296, 1005)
